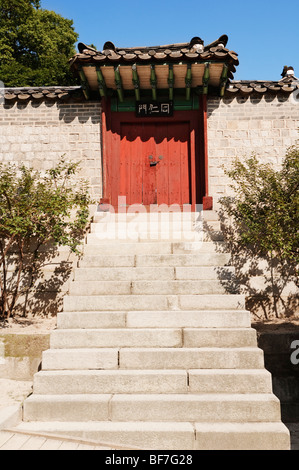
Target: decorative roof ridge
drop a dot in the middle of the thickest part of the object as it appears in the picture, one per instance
(195, 40)
(40, 93)
(50, 87)
(286, 85)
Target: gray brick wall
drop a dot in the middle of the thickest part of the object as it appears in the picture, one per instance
(38, 135)
(239, 127)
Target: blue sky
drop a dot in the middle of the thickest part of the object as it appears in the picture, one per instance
(264, 33)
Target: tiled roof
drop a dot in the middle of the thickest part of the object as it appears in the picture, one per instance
(193, 51)
(50, 93)
(286, 85)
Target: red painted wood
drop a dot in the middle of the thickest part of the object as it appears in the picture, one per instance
(164, 183)
(208, 200)
(162, 169)
(129, 141)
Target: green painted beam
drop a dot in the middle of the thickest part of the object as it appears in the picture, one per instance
(223, 79)
(188, 81)
(119, 86)
(84, 83)
(153, 81)
(206, 79)
(171, 81)
(101, 83)
(136, 82)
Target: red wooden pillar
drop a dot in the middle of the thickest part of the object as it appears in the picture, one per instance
(105, 142)
(207, 200)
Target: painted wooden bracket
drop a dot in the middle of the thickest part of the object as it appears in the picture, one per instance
(118, 83)
(188, 81)
(153, 81)
(136, 82)
(206, 79)
(223, 79)
(84, 83)
(171, 81)
(101, 83)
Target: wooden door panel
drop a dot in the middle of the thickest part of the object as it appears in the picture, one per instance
(168, 182)
(149, 179)
(163, 165)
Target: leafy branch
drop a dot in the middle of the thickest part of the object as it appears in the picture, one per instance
(262, 218)
(36, 212)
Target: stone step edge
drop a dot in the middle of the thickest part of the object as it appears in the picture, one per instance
(182, 426)
(160, 349)
(201, 397)
(150, 312)
(188, 430)
(64, 438)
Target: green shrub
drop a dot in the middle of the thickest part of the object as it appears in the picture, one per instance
(262, 219)
(36, 212)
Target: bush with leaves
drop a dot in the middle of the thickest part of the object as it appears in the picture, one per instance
(37, 212)
(262, 220)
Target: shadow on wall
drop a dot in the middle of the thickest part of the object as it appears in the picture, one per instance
(271, 290)
(253, 99)
(66, 112)
(44, 280)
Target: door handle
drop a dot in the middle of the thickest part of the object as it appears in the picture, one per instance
(154, 163)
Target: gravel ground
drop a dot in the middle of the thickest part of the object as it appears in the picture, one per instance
(13, 392)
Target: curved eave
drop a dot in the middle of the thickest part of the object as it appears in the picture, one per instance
(259, 87)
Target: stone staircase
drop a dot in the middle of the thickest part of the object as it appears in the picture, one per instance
(154, 348)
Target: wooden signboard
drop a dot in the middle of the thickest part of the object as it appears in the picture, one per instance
(154, 109)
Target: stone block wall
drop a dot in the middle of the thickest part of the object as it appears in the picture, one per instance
(241, 126)
(38, 134)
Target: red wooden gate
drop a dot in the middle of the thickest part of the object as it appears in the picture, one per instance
(153, 161)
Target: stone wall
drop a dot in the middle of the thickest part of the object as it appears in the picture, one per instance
(38, 134)
(240, 126)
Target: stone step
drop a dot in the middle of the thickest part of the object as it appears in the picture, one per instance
(90, 288)
(175, 216)
(153, 358)
(242, 436)
(111, 381)
(80, 359)
(191, 358)
(120, 337)
(195, 407)
(76, 303)
(207, 235)
(151, 319)
(173, 436)
(162, 273)
(196, 259)
(131, 233)
(152, 381)
(153, 337)
(150, 225)
(158, 407)
(98, 247)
